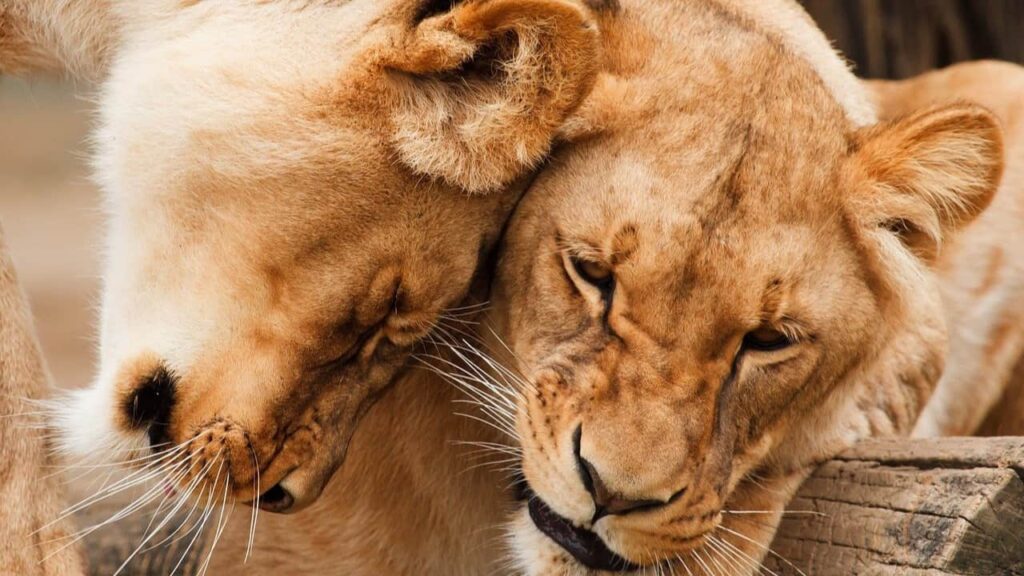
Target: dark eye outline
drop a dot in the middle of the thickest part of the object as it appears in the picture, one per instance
(754, 343)
(605, 283)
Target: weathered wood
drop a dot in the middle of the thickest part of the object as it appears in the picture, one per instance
(910, 507)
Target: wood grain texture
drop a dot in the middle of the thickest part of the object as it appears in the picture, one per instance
(910, 507)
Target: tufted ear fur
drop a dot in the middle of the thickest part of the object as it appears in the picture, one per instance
(926, 175)
(486, 84)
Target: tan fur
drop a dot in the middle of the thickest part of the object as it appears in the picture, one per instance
(287, 222)
(983, 273)
(30, 540)
(731, 188)
(76, 37)
(409, 500)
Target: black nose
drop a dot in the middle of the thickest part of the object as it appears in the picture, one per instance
(151, 404)
(605, 502)
(277, 499)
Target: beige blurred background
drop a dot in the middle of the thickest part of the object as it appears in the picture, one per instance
(50, 212)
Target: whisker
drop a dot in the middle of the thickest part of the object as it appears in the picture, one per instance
(153, 470)
(255, 505)
(685, 565)
(150, 533)
(763, 547)
(222, 523)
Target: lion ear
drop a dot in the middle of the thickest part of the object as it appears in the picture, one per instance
(924, 176)
(485, 85)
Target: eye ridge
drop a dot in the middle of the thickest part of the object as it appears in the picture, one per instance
(766, 340)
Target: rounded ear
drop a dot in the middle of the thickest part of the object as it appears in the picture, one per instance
(486, 84)
(926, 175)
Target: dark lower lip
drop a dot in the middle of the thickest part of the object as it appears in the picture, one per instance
(585, 546)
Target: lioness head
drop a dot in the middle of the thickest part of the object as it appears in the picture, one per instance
(723, 282)
(297, 190)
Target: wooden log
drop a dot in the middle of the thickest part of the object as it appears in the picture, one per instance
(952, 506)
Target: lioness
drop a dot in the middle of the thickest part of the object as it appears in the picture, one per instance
(297, 190)
(732, 274)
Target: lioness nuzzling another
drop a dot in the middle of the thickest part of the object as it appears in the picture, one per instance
(728, 277)
(296, 191)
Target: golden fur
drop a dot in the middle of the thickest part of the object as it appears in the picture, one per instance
(982, 272)
(718, 209)
(723, 196)
(31, 540)
(297, 191)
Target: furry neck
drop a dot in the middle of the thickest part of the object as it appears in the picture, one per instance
(410, 499)
(75, 37)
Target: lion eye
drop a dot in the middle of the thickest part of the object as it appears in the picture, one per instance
(766, 340)
(593, 273)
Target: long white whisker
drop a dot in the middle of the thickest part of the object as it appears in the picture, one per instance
(222, 522)
(150, 533)
(763, 547)
(255, 505)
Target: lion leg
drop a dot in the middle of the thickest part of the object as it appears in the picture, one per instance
(30, 541)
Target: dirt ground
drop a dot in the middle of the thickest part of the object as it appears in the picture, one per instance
(50, 212)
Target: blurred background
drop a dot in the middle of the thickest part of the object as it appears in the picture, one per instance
(51, 211)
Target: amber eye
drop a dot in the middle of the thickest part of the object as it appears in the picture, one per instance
(594, 273)
(766, 340)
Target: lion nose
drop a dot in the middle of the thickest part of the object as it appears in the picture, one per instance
(150, 406)
(607, 503)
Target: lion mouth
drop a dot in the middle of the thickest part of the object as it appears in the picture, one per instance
(585, 546)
